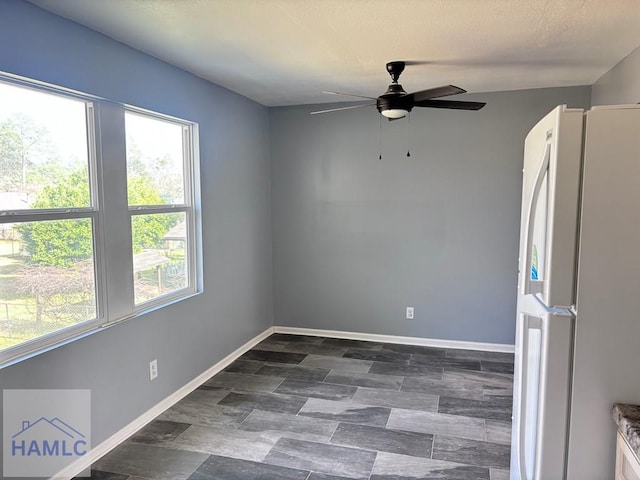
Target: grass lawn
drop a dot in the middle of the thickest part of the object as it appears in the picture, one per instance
(9, 247)
(10, 264)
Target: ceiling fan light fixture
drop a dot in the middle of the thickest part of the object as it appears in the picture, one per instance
(394, 112)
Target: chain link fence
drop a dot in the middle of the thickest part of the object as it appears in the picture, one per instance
(23, 321)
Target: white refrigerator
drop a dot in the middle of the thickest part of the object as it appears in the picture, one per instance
(578, 320)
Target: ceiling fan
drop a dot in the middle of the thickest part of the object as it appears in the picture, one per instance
(395, 103)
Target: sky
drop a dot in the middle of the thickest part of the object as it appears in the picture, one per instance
(64, 119)
(154, 137)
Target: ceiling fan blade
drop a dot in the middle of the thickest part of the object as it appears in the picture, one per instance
(343, 108)
(410, 63)
(436, 92)
(349, 95)
(454, 104)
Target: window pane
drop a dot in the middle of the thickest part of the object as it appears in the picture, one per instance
(155, 164)
(159, 254)
(43, 150)
(46, 278)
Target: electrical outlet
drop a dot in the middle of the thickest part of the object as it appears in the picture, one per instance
(409, 315)
(153, 369)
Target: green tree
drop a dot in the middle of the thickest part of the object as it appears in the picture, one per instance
(147, 230)
(66, 242)
(60, 243)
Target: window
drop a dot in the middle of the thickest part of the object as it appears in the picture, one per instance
(159, 204)
(96, 224)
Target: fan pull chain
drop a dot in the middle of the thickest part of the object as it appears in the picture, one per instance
(380, 139)
(409, 135)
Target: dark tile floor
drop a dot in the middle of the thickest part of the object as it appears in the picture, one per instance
(313, 408)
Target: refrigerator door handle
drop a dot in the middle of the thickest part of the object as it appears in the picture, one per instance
(523, 401)
(534, 286)
(529, 323)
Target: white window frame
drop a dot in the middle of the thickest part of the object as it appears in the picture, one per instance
(189, 132)
(111, 219)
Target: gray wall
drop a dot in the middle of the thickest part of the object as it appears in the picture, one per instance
(621, 84)
(190, 336)
(356, 239)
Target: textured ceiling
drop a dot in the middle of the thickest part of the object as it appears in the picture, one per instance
(283, 52)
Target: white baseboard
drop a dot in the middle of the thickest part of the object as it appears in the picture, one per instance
(374, 337)
(97, 452)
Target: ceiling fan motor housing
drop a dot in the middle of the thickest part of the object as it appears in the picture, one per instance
(395, 98)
